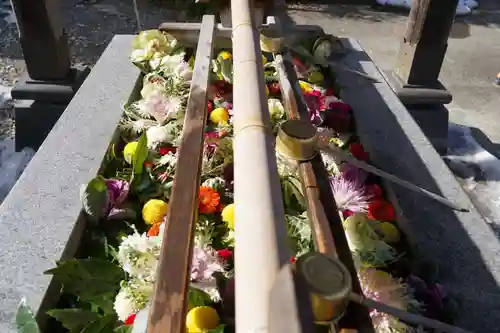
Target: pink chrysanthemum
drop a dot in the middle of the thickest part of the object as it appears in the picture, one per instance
(382, 287)
(205, 263)
(349, 193)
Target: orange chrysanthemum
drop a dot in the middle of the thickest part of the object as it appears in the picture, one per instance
(208, 200)
(154, 230)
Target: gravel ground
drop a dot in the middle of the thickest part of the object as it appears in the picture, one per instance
(90, 26)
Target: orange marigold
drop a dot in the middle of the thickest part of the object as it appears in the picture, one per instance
(154, 230)
(208, 200)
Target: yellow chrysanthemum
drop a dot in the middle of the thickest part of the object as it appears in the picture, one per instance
(202, 319)
(154, 211)
(228, 216)
(305, 86)
(219, 116)
(225, 55)
(129, 151)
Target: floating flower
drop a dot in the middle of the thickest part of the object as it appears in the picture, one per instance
(224, 55)
(118, 190)
(129, 151)
(365, 243)
(375, 191)
(205, 263)
(225, 254)
(219, 116)
(381, 210)
(208, 200)
(216, 183)
(133, 296)
(202, 319)
(349, 194)
(154, 211)
(382, 287)
(130, 320)
(158, 135)
(161, 106)
(165, 150)
(154, 230)
(357, 150)
(228, 216)
(138, 255)
(276, 109)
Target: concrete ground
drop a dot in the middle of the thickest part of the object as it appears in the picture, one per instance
(471, 63)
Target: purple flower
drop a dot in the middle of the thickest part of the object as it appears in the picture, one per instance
(349, 193)
(117, 193)
(353, 174)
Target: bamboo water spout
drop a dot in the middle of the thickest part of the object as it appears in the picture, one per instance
(259, 212)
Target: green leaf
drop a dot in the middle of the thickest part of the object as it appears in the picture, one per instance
(95, 281)
(25, 319)
(94, 197)
(73, 319)
(227, 70)
(141, 154)
(219, 329)
(102, 324)
(197, 297)
(123, 329)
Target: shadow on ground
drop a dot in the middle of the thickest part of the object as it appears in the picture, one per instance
(487, 14)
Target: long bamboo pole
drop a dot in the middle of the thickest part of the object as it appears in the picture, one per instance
(260, 232)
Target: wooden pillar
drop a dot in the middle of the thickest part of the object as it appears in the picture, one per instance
(422, 52)
(42, 38)
(42, 94)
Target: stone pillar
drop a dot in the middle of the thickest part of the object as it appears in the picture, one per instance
(42, 94)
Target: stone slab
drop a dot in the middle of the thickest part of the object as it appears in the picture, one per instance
(463, 245)
(38, 216)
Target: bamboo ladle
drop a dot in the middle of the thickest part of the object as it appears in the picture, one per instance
(330, 279)
(299, 139)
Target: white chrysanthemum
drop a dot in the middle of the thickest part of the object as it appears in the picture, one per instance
(276, 109)
(138, 255)
(124, 304)
(139, 126)
(149, 89)
(158, 135)
(133, 296)
(216, 183)
(169, 63)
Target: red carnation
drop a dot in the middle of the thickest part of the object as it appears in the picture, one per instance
(225, 254)
(210, 107)
(274, 89)
(148, 164)
(166, 150)
(374, 191)
(381, 210)
(293, 260)
(130, 320)
(357, 150)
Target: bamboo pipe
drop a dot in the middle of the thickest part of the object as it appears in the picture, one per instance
(260, 233)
